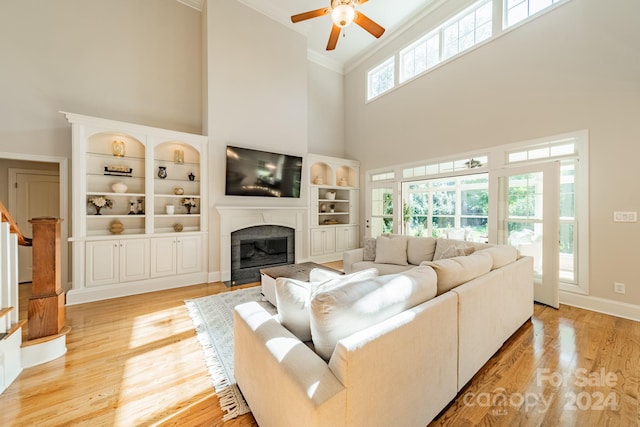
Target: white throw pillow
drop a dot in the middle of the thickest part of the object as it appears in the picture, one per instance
(340, 311)
(293, 297)
(420, 249)
(447, 248)
(391, 250)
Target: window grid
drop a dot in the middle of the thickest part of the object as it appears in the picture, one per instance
(381, 78)
(518, 10)
(555, 149)
(465, 30)
(383, 176)
(445, 167)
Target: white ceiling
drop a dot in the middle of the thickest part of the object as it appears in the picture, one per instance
(354, 42)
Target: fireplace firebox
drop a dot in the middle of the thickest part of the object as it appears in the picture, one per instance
(253, 248)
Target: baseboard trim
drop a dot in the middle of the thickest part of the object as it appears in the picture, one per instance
(601, 305)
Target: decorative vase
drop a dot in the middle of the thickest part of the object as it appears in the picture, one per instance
(177, 227)
(98, 210)
(188, 208)
(170, 209)
(331, 195)
(191, 176)
(178, 191)
(162, 172)
(119, 187)
(116, 227)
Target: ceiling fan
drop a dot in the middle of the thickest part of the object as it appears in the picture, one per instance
(343, 13)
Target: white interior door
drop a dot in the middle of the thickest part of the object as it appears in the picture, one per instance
(36, 193)
(528, 218)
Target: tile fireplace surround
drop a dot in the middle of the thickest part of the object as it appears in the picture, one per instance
(234, 218)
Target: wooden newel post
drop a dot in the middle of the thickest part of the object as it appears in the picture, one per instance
(46, 304)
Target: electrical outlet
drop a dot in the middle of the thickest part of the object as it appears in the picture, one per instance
(618, 288)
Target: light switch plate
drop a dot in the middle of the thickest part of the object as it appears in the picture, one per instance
(625, 217)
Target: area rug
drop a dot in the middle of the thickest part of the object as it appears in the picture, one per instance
(213, 320)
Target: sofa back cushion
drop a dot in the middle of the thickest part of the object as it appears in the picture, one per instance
(293, 297)
(339, 311)
(420, 249)
(452, 272)
(391, 249)
(501, 255)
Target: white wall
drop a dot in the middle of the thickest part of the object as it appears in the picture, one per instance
(326, 111)
(257, 98)
(574, 68)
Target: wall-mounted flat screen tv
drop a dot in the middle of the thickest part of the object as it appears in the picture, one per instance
(261, 173)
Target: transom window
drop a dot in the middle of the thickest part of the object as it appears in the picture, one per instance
(458, 34)
(381, 78)
(518, 10)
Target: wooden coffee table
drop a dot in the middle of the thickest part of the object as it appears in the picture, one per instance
(300, 271)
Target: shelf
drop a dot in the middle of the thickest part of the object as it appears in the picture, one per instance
(179, 196)
(120, 216)
(111, 156)
(102, 193)
(333, 213)
(178, 215)
(334, 200)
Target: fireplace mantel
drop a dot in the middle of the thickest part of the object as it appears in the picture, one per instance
(234, 218)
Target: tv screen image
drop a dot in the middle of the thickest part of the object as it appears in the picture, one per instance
(261, 173)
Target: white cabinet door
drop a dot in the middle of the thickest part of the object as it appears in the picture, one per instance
(346, 238)
(163, 256)
(101, 262)
(323, 240)
(189, 256)
(134, 260)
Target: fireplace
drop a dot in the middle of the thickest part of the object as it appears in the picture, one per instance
(236, 218)
(256, 247)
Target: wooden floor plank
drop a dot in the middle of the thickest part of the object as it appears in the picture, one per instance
(136, 361)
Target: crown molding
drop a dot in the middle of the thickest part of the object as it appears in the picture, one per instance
(196, 4)
(324, 61)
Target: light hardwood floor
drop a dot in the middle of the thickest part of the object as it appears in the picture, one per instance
(136, 361)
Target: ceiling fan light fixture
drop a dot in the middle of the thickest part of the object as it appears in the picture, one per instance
(343, 15)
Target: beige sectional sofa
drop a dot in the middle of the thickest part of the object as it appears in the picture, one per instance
(387, 367)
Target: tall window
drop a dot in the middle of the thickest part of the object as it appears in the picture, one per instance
(519, 10)
(381, 78)
(437, 206)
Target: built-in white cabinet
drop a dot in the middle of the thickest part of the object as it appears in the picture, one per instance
(175, 255)
(133, 186)
(333, 206)
(116, 261)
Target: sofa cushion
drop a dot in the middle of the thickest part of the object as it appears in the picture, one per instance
(382, 268)
(293, 296)
(420, 249)
(501, 255)
(447, 248)
(369, 249)
(455, 271)
(339, 311)
(391, 250)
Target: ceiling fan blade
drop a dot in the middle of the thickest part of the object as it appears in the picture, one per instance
(311, 14)
(333, 37)
(374, 29)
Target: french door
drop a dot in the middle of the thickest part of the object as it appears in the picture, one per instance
(380, 209)
(528, 216)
